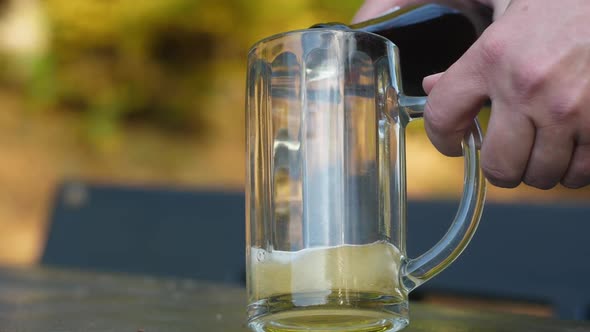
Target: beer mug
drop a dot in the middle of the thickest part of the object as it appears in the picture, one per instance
(326, 185)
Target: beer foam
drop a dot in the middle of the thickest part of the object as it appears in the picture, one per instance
(364, 268)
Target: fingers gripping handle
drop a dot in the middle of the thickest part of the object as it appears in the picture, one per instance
(418, 270)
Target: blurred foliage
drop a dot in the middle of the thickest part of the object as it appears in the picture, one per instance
(159, 62)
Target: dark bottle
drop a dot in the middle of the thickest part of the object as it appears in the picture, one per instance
(430, 37)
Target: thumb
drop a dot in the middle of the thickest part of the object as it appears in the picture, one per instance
(375, 8)
(454, 99)
(429, 82)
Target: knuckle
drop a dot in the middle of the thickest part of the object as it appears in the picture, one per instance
(574, 184)
(529, 77)
(444, 137)
(578, 176)
(440, 122)
(500, 177)
(565, 108)
(493, 47)
(433, 118)
(539, 182)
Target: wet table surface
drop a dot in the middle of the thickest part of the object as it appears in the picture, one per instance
(57, 300)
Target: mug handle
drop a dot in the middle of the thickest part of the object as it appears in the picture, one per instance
(416, 271)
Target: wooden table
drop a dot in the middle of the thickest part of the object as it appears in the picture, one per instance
(52, 300)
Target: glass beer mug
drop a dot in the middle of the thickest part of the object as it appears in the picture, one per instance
(326, 185)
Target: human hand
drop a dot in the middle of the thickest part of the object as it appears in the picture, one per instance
(533, 63)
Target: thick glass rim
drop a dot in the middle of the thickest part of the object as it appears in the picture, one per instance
(314, 30)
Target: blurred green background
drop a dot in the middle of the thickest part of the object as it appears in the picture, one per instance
(149, 92)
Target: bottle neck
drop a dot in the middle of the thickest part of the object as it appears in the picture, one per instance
(429, 38)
